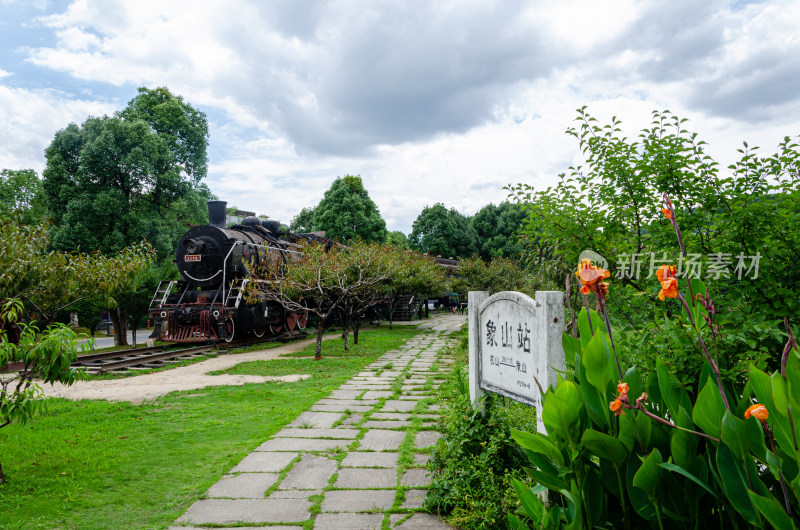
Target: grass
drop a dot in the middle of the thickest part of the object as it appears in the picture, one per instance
(93, 464)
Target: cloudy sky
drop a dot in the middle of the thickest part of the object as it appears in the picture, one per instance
(444, 101)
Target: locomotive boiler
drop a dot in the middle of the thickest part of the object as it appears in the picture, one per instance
(208, 302)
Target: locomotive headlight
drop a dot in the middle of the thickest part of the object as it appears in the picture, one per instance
(163, 314)
(215, 313)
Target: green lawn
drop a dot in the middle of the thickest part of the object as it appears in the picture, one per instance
(93, 464)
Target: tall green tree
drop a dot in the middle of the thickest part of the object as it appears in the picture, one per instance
(398, 239)
(346, 212)
(21, 194)
(303, 221)
(442, 232)
(499, 229)
(117, 180)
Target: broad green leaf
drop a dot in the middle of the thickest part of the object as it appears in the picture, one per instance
(571, 345)
(734, 483)
(683, 445)
(678, 469)
(596, 405)
(762, 386)
(780, 394)
(734, 435)
(647, 476)
(583, 325)
(772, 511)
(671, 391)
(709, 410)
(538, 443)
(599, 363)
(545, 479)
(530, 504)
(605, 446)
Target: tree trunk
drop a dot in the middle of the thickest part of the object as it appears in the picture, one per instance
(391, 310)
(120, 329)
(356, 325)
(318, 351)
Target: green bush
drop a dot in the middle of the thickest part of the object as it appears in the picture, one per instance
(474, 462)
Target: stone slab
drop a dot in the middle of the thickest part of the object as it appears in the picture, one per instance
(386, 424)
(415, 478)
(414, 499)
(357, 402)
(348, 521)
(227, 511)
(351, 419)
(345, 394)
(264, 462)
(243, 486)
(360, 478)
(378, 394)
(358, 500)
(370, 459)
(390, 416)
(317, 433)
(311, 472)
(425, 439)
(341, 408)
(293, 494)
(321, 420)
(421, 460)
(381, 440)
(398, 405)
(301, 444)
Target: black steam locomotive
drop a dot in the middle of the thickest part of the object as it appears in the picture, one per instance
(208, 302)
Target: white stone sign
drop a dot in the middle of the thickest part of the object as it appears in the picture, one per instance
(515, 341)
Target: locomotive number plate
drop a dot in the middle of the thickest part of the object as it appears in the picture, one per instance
(191, 257)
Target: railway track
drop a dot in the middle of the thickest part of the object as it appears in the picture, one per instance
(158, 356)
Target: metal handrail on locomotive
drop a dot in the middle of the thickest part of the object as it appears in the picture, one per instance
(208, 303)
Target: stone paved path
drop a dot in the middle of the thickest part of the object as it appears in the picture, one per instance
(356, 460)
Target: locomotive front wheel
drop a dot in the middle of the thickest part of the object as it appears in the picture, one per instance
(276, 321)
(260, 331)
(230, 329)
(291, 321)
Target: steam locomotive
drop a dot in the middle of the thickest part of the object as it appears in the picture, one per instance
(208, 302)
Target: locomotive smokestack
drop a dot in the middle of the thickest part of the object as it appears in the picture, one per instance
(217, 213)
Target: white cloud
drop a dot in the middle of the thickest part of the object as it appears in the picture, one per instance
(31, 119)
(439, 102)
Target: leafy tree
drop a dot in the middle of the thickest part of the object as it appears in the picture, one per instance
(346, 212)
(498, 229)
(45, 355)
(398, 239)
(320, 281)
(500, 274)
(34, 285)
(742, 216)
(415, 274)
(21, 194)
(442, 232)
(303, 222)
(114, 181)
(368, 265)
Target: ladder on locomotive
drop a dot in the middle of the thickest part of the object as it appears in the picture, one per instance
(235, 293)
(162, 293)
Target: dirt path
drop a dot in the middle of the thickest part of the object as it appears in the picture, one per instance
(194, 376)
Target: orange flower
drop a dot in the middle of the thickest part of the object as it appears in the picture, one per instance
(669, 289)
(590, 276)
(622, 388)
(758, 411)
(667, 213)
(666, 271)
(616, 407)
(669, 284)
